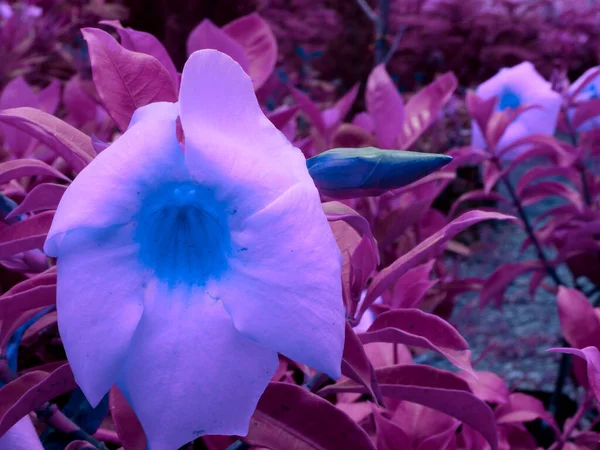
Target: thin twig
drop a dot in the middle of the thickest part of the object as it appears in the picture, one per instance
(395, 44)
(368, 10)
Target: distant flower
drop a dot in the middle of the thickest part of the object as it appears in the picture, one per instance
(517, 86)
(181, 274)
(590, 92)
(27, 11)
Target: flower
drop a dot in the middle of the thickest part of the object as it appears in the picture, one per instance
(517, 86)
(181, 274)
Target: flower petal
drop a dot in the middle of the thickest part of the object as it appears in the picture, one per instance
(230, 145)
(189, 372)
(156, 111)
(110, 190)
(99, 301)
(285, 288)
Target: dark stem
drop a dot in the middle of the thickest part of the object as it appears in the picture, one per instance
(381, 26)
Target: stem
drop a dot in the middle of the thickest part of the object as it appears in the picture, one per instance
(381, 26)
(564, 437)
(51, 415)
(367, 10)
(316, 381)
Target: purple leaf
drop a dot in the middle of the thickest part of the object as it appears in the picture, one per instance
(585, 111)
(389, 435)
(30, 391)
(498, 124)
(208, 35)
(49, 97)
(522, 408)
(497, 283)
(488, 386)
(534, 193)
(423, 109)
(333, 116)
(385, 106)
(79, 445)
(421, 253)
(290, 417)
(12, 305)
(74, 146)
(364, 261)
(142, 42)
(80, 104)
(592, 357)
(410, 289)
(541, 172)
(25, 235)
(356, 364)
(416, 328)
(281, 116)
(352, 136)
(126, 80)
(583, 84)
(43, 196)
(481, 110)
(476, 195)
(17, 93)
(127, 424)
(579, 324)
(309, 108)
(259, 43)
(335, 211)
(434, 388)
(17, 168)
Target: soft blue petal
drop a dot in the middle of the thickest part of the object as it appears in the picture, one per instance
(189, 372)
(155, 111)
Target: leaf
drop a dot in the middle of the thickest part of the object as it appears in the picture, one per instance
(579, 324)
(343, 173)
(18, 168)
(389, 435)
(12, 305)
(488, 386)
(423, 109)
(475, 195)
(25, 235)
(281, 116)
(522, 408)
(125, 80)
(356, 364)
(308, 107)
(481, 110)
(68, 142)
(385, 106)
(30, 392)
(352, 136)
(335, 211)
(498, 124)
(591, 355)
(416, 328)
(142, 42)
(363, 261)
(434, 388)
(290, 417)
(128, 426)
(496, 284)
(538, 172)
(534, 193)
(79, 445)
(208, 35)
(49, 97)
(259, 43)
(411, 288)
(590, 77)
(585, 111)
(43, 196)
(334, 115)
(421, 253)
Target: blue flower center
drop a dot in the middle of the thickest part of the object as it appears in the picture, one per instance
(509, 99)
(182, 235)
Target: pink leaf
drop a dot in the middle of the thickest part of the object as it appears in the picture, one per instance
(476, 195)
(481, 110)
(497, 283)
(126, 422)
(79, 445)
(333, 116)
(335, 211)
(389, 435)
(421, 253)
(410, 289)
(584, 83)
(498, 124)
(488, 386)
(74, 146)
(43, 196)
(536, 173)
(142, 42)
(281, 116)
(18, 168)
(356, 365)
(25, 235)
(309, 108)
(522, 408)
(290, 417)
(433, 388)
(578, 322)
(49, 97)
(416, 328)
(385, 106)
(352, 136)
(125, 80)
(423, 109)
(30, 391)
(534, 193)
(259, 43)
(592, 357)
(12, 305)
(208, 35)
(585, 111)
(364, 261)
